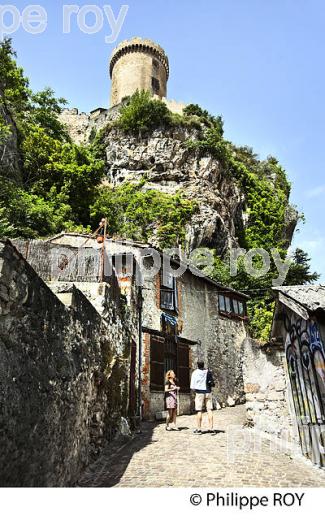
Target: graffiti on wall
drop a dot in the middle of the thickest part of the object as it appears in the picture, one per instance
(306, 366)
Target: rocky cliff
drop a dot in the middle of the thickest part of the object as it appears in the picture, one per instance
(10, 160)
(164, 160)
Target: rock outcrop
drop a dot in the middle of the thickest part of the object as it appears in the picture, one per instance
(164, 160)
(10, 160)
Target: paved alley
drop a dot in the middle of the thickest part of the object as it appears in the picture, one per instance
(233, 457)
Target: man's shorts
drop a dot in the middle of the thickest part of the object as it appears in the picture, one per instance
(201, 400)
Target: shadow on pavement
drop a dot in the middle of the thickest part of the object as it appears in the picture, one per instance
(212, 432)
(110, 467)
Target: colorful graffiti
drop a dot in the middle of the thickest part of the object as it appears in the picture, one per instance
(306, 366)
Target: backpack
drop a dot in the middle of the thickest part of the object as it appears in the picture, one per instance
(210, 382)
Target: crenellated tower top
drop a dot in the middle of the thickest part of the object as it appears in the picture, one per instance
(138, 64)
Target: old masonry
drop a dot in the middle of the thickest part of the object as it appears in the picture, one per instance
(88, 330)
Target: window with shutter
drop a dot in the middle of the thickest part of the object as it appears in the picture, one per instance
(235, 306)
(228, 304)
(157, 362)
(242, 310)
(166, 300)
(166, 354)
(222, 303)
(183, 366)
(170, 354)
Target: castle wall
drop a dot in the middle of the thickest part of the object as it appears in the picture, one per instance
(64, 376)
(82, 127)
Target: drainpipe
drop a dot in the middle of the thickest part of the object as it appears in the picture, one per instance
(199, 349)
(140, 307)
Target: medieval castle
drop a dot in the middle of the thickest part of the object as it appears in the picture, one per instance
(136, 64)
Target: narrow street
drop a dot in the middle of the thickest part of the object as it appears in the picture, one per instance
(233, 457)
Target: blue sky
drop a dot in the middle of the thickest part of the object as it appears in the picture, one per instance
(259, 63)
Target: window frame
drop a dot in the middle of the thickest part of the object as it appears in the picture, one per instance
(230, 306)
(166, 289)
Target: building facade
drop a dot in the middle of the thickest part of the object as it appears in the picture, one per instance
(184, 316)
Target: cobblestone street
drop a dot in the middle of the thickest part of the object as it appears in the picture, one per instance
(233, 457)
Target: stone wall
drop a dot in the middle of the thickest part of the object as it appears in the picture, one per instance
(220, 339)
(177, 107)
(267, 392)
(63, 382)
(82, 126)
(65, 262)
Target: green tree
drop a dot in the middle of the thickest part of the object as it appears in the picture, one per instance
(300, 271)
(261, 312)
(141, 214)
(59, 177)
(44, 111)
(205, 118)
(6, 229)
(14, 86)
(70, 169)
(142, 113)
(25, 107)
(5, 131)
(29, 215)
(195, 110)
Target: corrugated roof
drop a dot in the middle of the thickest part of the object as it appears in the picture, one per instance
(195, 271)
(93, 238)
(311, 297)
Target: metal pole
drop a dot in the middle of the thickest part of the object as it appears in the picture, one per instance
(140, 359)
(102, 274)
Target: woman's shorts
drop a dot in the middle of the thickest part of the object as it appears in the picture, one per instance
(201, 400)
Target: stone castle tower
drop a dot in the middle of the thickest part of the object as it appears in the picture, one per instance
(138, 64)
